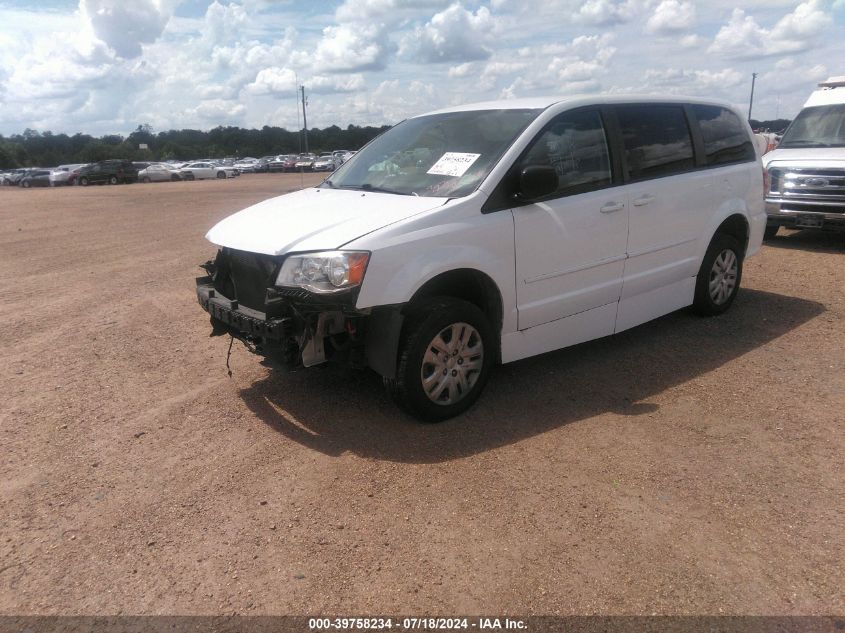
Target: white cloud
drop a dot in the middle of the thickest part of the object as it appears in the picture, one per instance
(219, 111)
(606, 12)
(698, 82)
(126, 26)
(350, 48)
(337, 83)
(743, 38)
(671, 16)
(274, 81)
(452, 35)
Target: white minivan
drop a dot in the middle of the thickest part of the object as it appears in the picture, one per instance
(487, 233)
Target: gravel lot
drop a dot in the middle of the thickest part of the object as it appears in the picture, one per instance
(687, 466)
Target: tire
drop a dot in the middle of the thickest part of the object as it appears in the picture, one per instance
(221, 174)
(770, 232)
(146, 180)
(719, 277)
(26, 184)
(83, 181)
(112, 180)
(439, 321)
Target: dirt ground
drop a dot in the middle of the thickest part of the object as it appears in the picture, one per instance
(688, 466)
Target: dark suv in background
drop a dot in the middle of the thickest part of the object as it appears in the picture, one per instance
(108, 171)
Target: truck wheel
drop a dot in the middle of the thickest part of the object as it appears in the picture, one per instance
(718, 278)
(445, 357)
(770, 232)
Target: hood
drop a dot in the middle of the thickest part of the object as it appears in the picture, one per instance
(811, 156)
(314, 219)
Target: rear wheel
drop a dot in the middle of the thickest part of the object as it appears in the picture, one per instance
(770, 232)
(83, 181)
(719, 276)
(221, 174)
(112, 180)
(146, 180)
(445, 358)
(26, 184)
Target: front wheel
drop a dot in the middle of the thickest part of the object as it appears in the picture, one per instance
(26, 184)
(221, 174)
(83, 181)
(445, 358)
(718, 278)
(112, 180)
(146, 180)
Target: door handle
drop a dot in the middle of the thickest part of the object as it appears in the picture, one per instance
(643, 200)
(611, 207)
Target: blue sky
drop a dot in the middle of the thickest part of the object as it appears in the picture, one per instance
(103, 66)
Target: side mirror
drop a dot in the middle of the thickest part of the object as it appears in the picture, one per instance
(537, 181)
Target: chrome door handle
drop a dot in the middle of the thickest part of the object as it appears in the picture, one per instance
(611, 207)
(643, 200)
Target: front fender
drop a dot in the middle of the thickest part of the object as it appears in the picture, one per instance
(403, 262)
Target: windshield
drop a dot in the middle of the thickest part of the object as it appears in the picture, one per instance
(439, 155)
(822, 126)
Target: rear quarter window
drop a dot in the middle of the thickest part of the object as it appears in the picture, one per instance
(657, 140)
(725, 137)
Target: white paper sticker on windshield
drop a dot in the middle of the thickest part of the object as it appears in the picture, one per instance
(453, 164)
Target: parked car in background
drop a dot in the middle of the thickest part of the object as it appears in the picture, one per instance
(35, 178)
(110, 172)
(159, 172)
(341, 156)
(277, 164)
(304, 162)
(806, 172)
(73, 174)
(60, 175)
(205, 171)
(246, 165)
(326, 162)
(13, 176)
(263, 164)
(485, 234)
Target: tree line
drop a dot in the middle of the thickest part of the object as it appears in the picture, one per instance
(45, 149)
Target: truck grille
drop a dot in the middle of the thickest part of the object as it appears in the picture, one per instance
(809, 190)
(245, 276)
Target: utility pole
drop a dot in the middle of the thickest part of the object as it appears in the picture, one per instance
(305, 118)
(751, 102)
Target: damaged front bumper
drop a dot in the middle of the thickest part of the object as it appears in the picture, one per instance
(295, 327)
(228, 316)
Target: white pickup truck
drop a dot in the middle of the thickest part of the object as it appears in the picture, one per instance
(806, 173)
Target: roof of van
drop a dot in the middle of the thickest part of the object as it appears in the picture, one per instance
(541, 103)
(830, 92)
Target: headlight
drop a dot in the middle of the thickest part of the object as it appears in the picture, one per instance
(327, 272)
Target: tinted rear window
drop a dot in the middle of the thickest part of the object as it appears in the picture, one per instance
(657, 140)
(725, 137)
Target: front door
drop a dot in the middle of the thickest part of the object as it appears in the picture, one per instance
(570, 247)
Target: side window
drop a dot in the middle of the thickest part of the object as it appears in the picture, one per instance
(657, 140)
(576, 146)
(725, 137)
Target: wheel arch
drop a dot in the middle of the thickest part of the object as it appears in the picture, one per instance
(737, 226)
(468, 284)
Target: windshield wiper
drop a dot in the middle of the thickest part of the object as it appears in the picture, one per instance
(804, 142)
(369, 187)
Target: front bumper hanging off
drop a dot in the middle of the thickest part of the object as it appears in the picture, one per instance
(228, 316)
